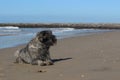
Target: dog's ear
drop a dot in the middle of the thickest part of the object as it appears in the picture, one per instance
(44, 33)
(39, 34)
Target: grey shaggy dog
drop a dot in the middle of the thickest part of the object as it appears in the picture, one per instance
(36, 52)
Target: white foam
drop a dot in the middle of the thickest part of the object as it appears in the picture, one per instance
(9, 27)
(61, 30)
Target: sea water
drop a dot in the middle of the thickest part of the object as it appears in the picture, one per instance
(12, 36)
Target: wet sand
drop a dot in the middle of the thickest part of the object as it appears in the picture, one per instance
(92, 57)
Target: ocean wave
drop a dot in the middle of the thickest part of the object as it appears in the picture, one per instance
(9, 27)
(61, 30)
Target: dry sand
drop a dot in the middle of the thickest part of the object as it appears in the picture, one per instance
(93, 57)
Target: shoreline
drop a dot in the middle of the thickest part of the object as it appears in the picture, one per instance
(77, 35)
(91, 57)
(60, 33)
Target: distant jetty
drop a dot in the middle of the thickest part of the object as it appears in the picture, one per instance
(63, 25)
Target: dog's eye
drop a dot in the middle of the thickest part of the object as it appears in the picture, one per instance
(43, 40)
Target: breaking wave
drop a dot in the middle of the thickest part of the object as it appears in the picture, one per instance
(9, 27)
(9, 30)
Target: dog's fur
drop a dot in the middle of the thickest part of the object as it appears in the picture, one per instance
(37, 50)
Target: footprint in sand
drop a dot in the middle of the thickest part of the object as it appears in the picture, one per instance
(101, 69)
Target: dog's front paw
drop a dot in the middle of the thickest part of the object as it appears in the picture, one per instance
(49, 63)
(41, 63)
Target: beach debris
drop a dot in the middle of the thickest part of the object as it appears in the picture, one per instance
(82, 76)
(41, 71)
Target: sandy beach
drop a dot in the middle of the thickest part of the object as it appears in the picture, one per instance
(92, 57)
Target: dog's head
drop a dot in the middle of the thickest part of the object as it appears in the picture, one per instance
(46, 37)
